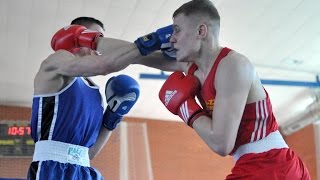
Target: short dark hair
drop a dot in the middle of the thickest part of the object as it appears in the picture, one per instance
(87, 21)
(201, 7)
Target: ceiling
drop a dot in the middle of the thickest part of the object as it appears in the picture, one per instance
(282, 38)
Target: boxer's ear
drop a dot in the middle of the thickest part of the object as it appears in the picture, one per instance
(202, 30)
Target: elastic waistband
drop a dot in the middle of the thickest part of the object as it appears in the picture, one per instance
(273, 141)
(61, 152)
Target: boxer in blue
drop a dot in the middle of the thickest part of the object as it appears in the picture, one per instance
(69, 124)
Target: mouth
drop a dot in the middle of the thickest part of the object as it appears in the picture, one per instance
(176, 50)
(171, 50)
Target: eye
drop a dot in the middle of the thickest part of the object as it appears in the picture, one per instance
(176, 28)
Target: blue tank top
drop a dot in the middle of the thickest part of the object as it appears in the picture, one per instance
(72, 115)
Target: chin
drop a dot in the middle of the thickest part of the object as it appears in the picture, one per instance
(179, 59)
(183, 59)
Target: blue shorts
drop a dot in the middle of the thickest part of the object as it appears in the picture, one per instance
(48, 170)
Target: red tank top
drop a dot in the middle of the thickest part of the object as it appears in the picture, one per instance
(257, 120)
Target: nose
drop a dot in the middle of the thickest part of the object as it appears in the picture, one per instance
(173, 38)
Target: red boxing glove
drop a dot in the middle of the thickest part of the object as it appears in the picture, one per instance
(72, 37)
(178, 95)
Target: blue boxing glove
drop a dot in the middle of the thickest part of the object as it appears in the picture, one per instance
(122, 92)
(155, 41)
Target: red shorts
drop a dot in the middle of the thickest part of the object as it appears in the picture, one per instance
(276, 164)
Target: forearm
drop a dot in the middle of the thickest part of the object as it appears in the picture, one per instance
(122, 92)
(121, 53)
(122, 56)
(211, 137)
(102, 139)
(158, 61)
(125, 53)
(110, 45)
(85, 66)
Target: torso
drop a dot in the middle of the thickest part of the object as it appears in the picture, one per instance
(66, 109)
(72, 115)
(257, 120)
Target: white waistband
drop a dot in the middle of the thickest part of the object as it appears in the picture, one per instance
(273, 141)
(61, 152)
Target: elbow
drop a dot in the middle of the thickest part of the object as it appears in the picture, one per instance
(221, 149)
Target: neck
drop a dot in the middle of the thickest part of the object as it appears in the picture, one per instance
(207, 58)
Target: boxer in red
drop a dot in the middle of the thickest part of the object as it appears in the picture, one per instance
(235, 117)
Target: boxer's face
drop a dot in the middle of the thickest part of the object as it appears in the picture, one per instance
(185, 38)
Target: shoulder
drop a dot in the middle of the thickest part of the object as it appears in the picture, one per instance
(55, 59)
(234, 61)
(47, 80)
(235, 67)
(60, 55)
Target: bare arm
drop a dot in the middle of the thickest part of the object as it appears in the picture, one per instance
(158, 61)
(125, 53)
(233, 81)
(103, 137)
(66, 64)
(116, 54)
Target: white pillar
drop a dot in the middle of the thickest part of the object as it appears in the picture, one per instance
(124, 165)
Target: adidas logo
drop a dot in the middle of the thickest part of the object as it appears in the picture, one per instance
(168, 96)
